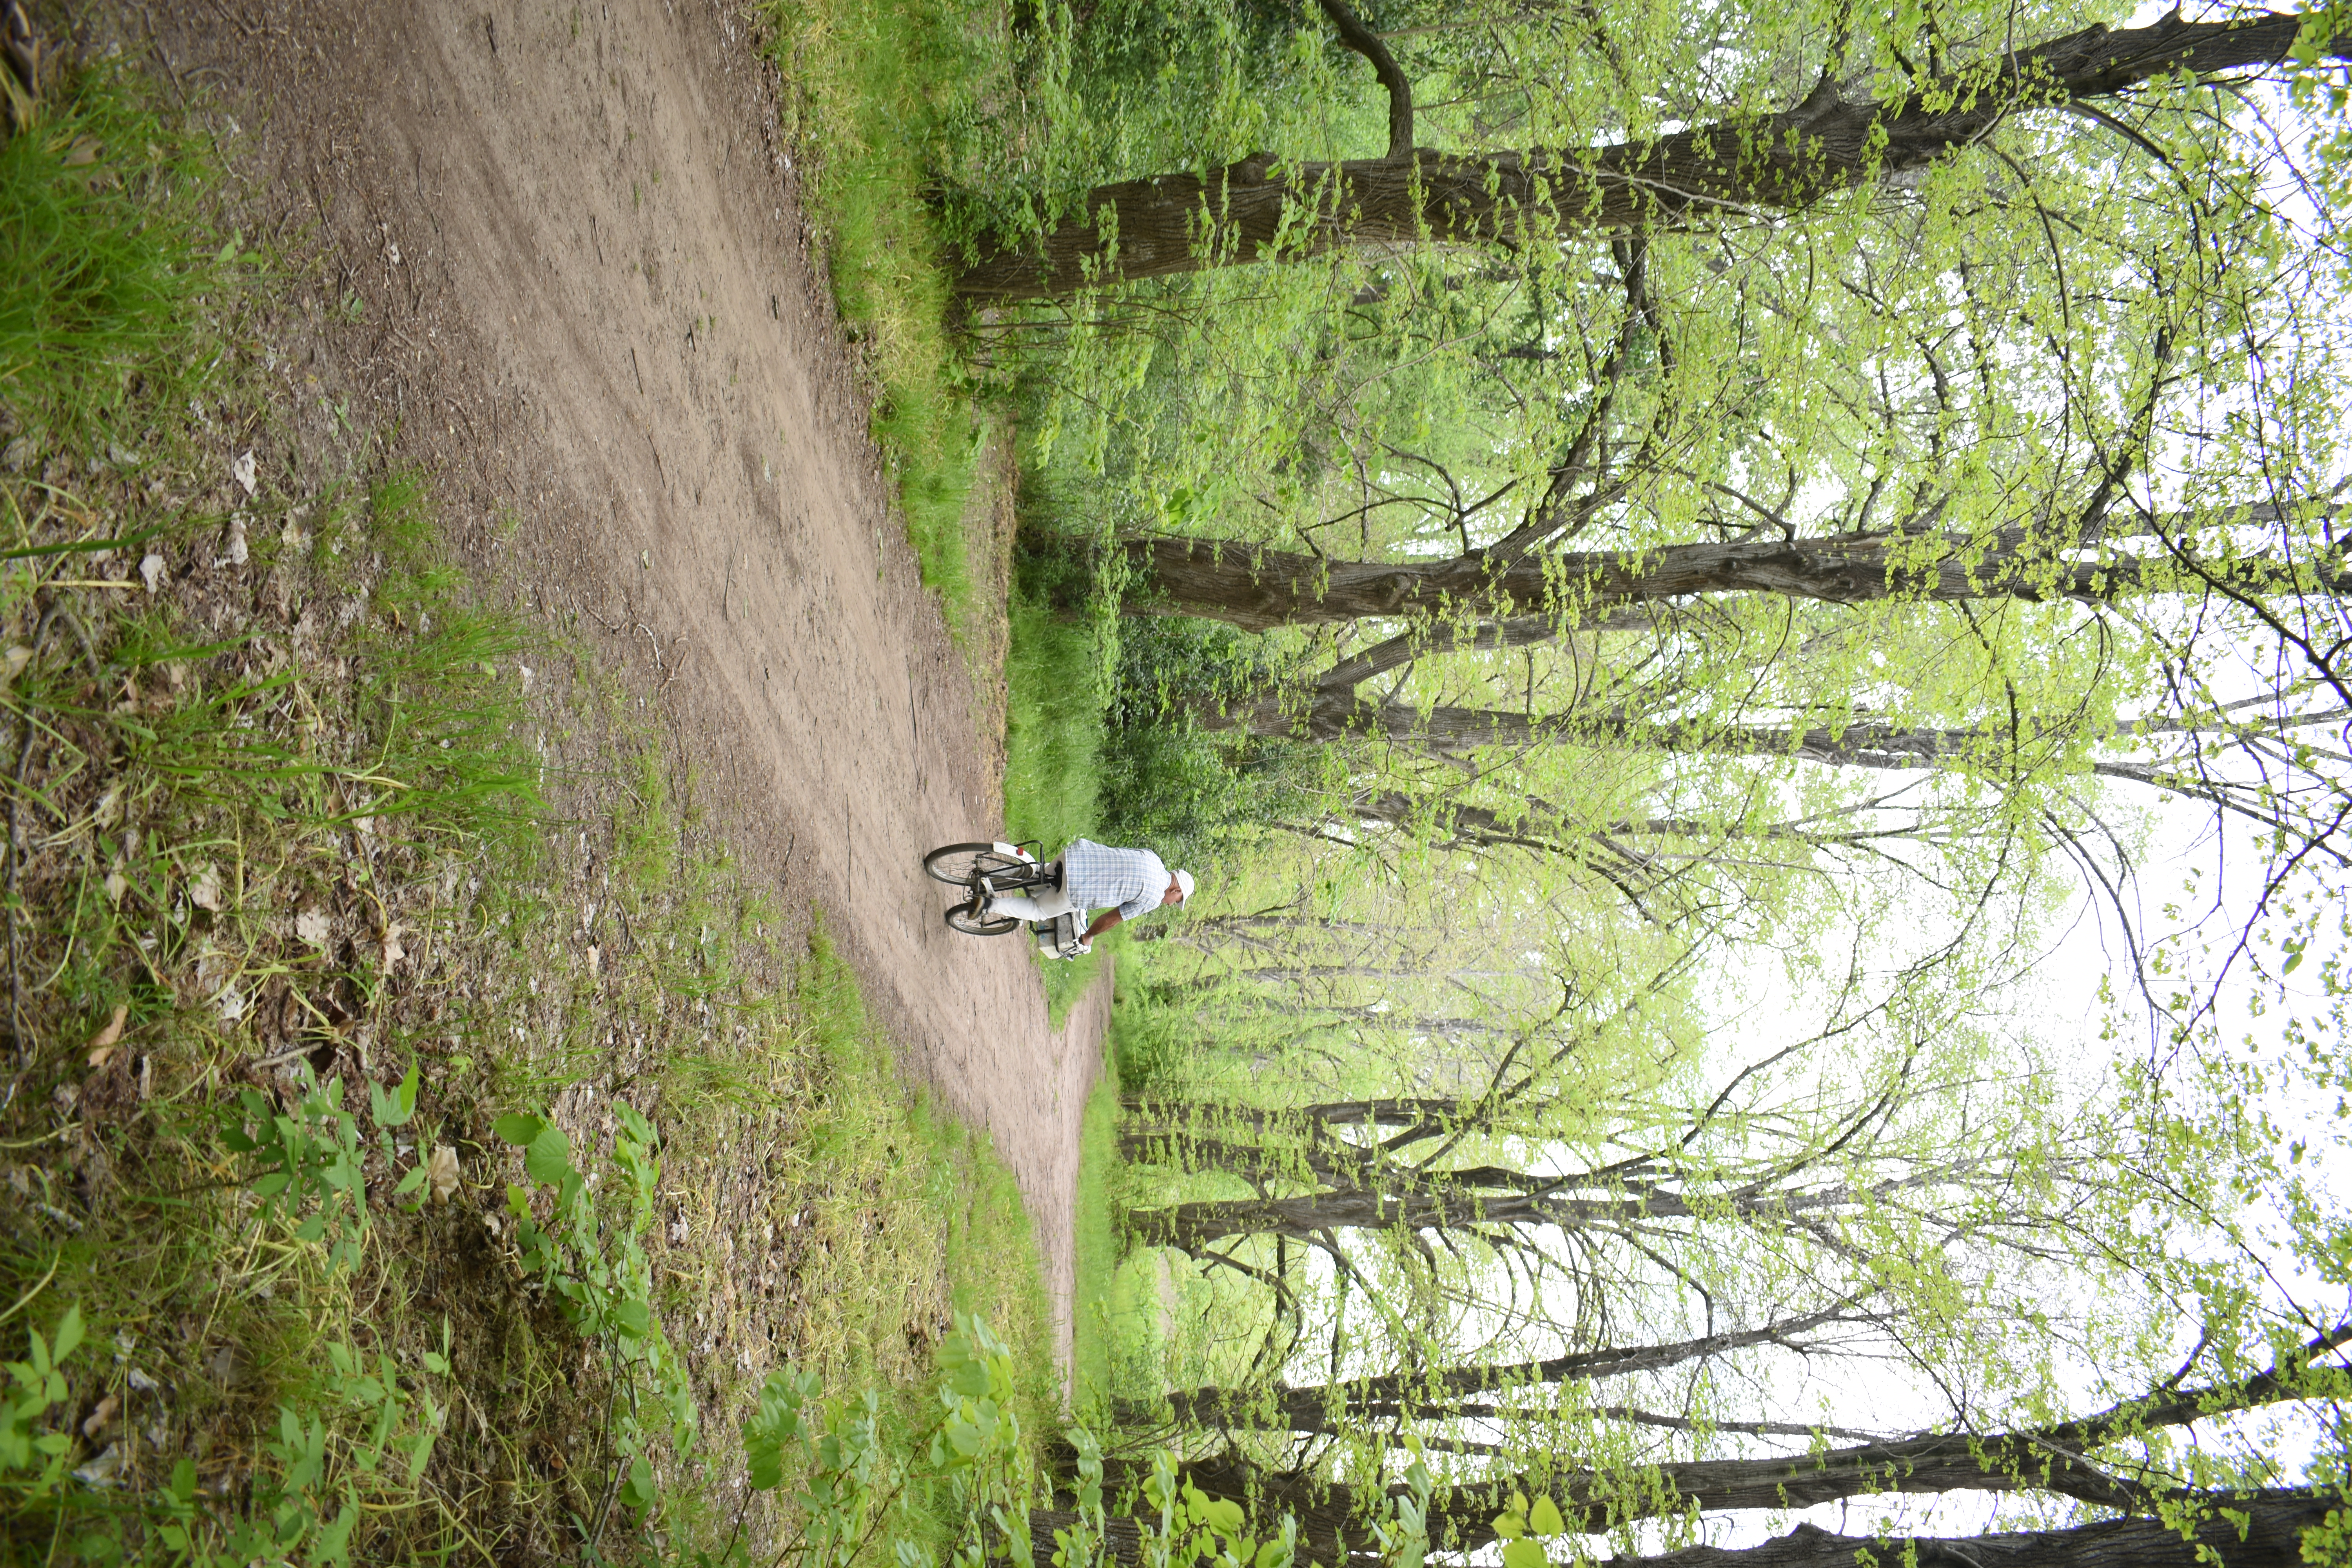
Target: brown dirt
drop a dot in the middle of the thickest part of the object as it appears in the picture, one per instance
(562, 265)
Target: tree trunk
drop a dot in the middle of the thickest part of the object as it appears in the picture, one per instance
(1339, 715)
(2271, 1538)
(1446, 1391)
(1489, 1198)
(2050, 1458)
(1179, 222)
(1258, 590)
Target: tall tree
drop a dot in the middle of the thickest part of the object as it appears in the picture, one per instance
(1534, 592)
(1264, 207)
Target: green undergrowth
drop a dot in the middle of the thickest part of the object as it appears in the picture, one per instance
(1053, 728)
(987, 1248)
(877, 85)
(1053, 751)
(1097, 1248)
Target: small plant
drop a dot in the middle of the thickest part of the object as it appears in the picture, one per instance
(314, 1161)
(32, 1461)
(609, 1299)
(849, 1480)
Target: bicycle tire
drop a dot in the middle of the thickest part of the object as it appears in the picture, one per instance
(958, 864)
(962, 917)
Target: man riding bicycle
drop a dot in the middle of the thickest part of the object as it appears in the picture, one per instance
(1133, 882)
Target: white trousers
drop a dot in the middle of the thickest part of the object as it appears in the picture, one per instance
(1049, 903)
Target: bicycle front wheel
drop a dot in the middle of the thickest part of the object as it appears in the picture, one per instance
(966, 919)
(958, 864)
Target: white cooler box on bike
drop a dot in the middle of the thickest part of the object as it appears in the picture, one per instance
(1059, 937)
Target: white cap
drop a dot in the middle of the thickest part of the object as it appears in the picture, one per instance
(1184, 883)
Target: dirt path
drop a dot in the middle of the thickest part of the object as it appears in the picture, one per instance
(572, 278)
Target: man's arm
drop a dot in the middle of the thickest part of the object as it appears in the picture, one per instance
(1103, 922)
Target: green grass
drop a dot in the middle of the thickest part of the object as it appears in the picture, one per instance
(1052, 751)
(1053, 729)
(1097, 1248)
(104, 261)
(930, 1164)
(876, 81)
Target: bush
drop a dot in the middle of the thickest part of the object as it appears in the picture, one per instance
(1191, 793)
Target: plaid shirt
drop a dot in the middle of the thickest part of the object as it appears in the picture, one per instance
(1096, 876)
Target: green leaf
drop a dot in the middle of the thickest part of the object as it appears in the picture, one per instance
(638, 1490)
(547, 1156)
(1523, 1553)
(1509, 1526)
(1544, 1518)
(69, 1334)
(515, 1127)
(394, 1110)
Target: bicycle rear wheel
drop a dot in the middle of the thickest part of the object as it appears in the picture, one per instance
(958, 864)
(966, 919)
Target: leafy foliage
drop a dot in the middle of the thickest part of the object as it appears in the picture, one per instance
(600, 1276)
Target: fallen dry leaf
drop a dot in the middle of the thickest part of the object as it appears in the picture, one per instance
(101, 1416)
(102, 1044)
(242, 471)
(204, 888)
(103, 1471)
(313, 927)
(392, 951)
(441, 1171)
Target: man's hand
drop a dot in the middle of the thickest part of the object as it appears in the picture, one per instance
(1077, 947)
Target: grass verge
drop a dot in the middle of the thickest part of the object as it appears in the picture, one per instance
(1098, 1249)
(1053, 729)
(877, 84)
(1052, 759)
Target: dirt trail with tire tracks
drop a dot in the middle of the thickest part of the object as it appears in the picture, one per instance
(571, 273)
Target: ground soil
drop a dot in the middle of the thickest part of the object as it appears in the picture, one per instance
(560, 263)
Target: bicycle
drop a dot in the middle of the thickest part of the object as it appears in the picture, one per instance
(989, 870)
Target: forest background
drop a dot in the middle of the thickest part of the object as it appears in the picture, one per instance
(1741, 608)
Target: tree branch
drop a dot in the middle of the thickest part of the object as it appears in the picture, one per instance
(1367, 43)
